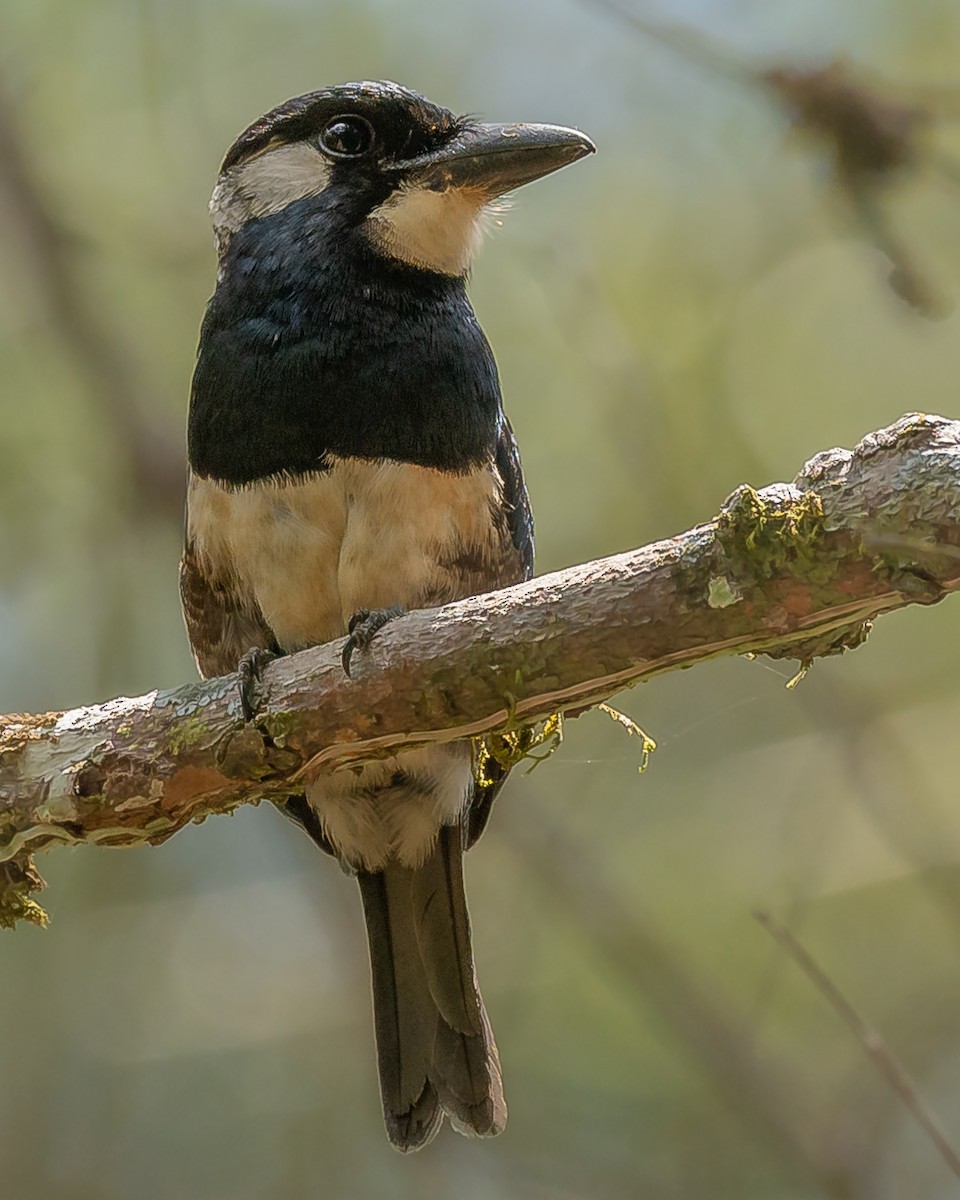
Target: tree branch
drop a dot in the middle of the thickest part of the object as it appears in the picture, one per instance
(795, 570)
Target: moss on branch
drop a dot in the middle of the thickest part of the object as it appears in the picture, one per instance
(791, 570)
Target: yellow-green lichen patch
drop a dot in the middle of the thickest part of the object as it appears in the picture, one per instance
(495, 753)
(647, 744)
(763, 533)
(188, 733)
(19, 880)
(280, 724)
(722, 592)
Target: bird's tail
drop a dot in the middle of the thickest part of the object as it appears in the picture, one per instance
(434, 1043)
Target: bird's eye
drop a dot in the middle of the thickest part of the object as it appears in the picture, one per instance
(347, 137)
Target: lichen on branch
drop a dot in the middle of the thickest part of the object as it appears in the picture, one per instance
(791, 570)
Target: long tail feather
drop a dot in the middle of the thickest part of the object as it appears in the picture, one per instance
(434, 1043)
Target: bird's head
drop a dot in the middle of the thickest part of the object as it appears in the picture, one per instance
(414, 179)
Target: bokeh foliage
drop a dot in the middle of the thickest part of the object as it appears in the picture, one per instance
(695, 307)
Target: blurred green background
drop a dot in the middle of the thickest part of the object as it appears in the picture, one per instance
(694, 308)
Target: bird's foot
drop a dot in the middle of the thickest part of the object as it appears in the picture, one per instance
(250, 669)
(364, 625)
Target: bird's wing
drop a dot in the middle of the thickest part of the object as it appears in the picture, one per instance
(520, 523)
(520, 517)
(221, 624)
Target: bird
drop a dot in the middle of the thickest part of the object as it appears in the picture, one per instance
(350, 459)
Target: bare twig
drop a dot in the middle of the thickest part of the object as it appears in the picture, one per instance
(871, 1041)
(756, 1092)
(869, 130)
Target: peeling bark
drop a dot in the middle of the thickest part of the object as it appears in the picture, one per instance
(793, 570)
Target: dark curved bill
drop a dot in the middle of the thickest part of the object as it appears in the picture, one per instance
(493, 159)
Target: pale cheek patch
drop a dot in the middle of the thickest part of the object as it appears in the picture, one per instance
(266, 184)
(441, 231)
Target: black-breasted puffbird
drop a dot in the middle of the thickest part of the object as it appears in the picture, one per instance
(350, 458)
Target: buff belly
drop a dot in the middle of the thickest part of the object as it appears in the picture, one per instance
(309, 554)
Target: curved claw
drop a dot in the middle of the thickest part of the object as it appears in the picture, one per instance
(250, 669)
(364, 625)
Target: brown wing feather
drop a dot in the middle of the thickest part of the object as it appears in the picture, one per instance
(221, 624)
